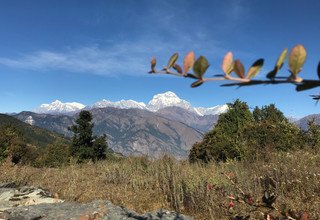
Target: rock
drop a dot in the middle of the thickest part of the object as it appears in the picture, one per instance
(14, 197)
(30, 203)
(103, 210)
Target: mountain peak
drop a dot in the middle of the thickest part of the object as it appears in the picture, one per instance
(168, 99)
(159, 101)
(58, 107)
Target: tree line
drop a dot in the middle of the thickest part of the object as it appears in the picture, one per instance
(84, 146)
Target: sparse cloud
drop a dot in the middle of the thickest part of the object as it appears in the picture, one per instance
(168, 34)
(118, 59)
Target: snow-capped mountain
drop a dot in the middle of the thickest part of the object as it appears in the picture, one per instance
(57, 107)
(123, 104)
(216, 110)
(168, 99)
(159, 101)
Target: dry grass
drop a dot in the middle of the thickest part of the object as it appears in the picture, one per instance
(199, 191)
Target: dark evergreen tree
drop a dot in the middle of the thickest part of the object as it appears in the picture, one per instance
(100, 147)
(85, 146)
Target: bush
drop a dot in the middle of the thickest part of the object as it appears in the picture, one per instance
(240, 134)
(312, 135)
(226, 139)
(54, 155)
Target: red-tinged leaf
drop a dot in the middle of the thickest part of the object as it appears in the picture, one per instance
(200, 67)
(227, 63)
(255, 68)
(318, 71)
(153, 65)
(304, 216)
(172, 60)
(239, 69)
(196, 83)
(188, 62)
(177, 68)
(297, 58)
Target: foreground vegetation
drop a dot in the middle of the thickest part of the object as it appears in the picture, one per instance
(253, 165)
(211, 191)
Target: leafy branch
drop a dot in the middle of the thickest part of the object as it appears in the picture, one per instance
(296, 60)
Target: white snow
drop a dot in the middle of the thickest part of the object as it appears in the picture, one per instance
(29, 120)
(123, 104)
(159, 101)
(58, 107)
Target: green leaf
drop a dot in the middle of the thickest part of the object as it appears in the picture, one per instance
(177, 68)
(239, 69)
(188, 62)
(318, 71)
(196, 83)
(297, 58)
(272, 74)
(278, 65)
(281, 59)
(306, 86)
(172, 60)
(227, 63)
(200, 66)
(255, 68)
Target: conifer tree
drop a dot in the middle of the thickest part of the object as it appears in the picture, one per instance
(86, 146)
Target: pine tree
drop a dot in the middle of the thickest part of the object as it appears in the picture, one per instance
(85, 146)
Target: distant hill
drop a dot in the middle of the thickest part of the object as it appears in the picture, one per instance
(203, 123)
(303, 122)
(130, 131)
(55, 123)
(33, 135)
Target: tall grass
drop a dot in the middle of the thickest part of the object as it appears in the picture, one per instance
(201, 191)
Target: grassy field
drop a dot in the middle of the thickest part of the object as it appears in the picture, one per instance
(214, 191)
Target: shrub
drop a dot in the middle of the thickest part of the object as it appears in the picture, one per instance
(241, 134)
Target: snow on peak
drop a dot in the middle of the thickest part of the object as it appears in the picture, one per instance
(123, 104)
(159, 101)
(58, 107)
(168, 99)
(29, 120)
(216, 110)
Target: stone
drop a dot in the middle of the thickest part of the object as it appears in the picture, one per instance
(30, 203)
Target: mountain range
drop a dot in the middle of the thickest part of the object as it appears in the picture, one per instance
(159, 101)
(171, 130)
(166, 125)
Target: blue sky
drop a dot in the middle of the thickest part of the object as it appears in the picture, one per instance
(85, 51)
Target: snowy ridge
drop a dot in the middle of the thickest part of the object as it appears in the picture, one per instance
(159, 101)
(57, 107)
(123, 104)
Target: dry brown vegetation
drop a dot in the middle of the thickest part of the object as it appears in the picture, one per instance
(201, 191)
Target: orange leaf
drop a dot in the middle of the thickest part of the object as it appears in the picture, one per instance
(188, 62)
(227, 63)
(239, 69)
